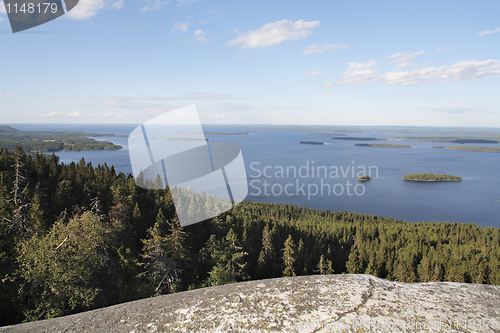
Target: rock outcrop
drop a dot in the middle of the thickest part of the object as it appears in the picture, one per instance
(319, 303)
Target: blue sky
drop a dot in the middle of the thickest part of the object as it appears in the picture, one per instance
(426, 63)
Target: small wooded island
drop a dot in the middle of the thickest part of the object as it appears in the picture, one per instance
(359, 138)
(381, 145)
(364, 178)
(431, 177)
(311, 143)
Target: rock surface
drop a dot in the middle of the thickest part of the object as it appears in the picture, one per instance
(319, 303)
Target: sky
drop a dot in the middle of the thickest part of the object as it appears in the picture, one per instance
(418, 63)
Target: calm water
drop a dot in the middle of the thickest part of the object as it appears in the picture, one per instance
(472, 200)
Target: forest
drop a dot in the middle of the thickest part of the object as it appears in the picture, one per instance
(76, 237)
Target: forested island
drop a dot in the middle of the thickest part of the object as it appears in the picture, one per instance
(364, 178)
(359, 138)
(75, 237)
(431, 177)
(186, 139)
(381, 145)
(330, 134)
(311, 143)
(52, 141)
(217, 133)
(470, 148)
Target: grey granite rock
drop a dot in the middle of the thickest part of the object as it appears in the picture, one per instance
(319, 303)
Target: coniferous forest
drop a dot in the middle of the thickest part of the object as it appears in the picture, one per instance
(77, 237)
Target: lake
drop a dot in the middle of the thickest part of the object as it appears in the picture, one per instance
(280, 169)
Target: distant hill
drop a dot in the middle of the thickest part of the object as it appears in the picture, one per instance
(7, 129)
(315, 303)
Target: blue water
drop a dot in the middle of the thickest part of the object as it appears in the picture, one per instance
(471, 200)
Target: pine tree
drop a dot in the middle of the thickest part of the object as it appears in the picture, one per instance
(266, 256)
(424, 270)
(162, 269)
(234, 256)
(354, 264)
(289, 257)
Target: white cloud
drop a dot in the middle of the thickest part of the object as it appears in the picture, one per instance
(200, 36)
(52, 114)
(312, 49)
(181, 26)
(275, 33)
(313, 73)
(457, 109)
(358, 73)
(88, 8)
(185, 2)
(2, 8)
(402, 60)
(5, 95)
(465, 70)
(117, 5)
(210, 96)
(154, 6)
(216, 116)
(140, 103)
(76, 114)
(403, 57)
(403, 65)
(487, 32)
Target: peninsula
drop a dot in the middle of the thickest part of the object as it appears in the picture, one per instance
(449, 139)
(52, 141)
(431, 177)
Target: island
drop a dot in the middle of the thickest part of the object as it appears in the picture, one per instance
(311, 143)
(334, 134)
(449, 139)
(359, 138)
(470, 148)
(431, 177)
(52, 141)
(217, 133)
(364, 178)
(382, 145)
(186, 139)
